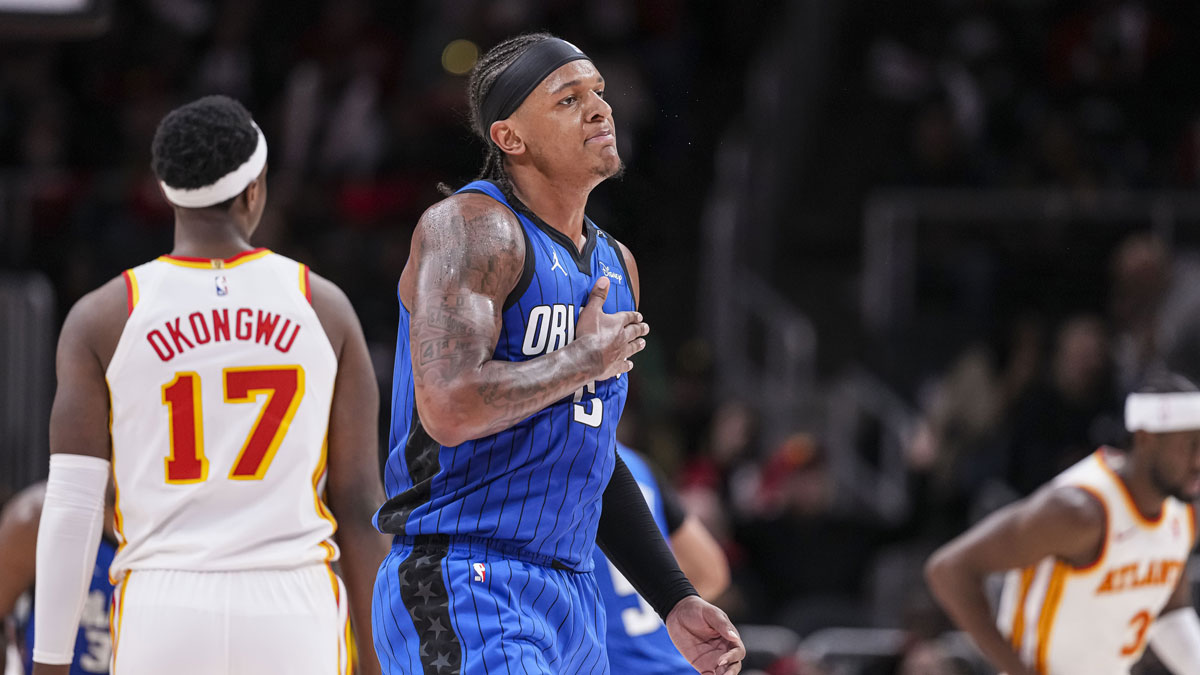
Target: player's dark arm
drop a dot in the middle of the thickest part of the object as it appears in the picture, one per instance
(18, 539)
(467, 255)
(631, 539)
(80, 448)
(698, 554)
(1175, 635)
(1064, 522)
(701, 558)
(354, 487)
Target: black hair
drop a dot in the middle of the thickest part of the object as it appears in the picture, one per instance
(1162, 381)
(198, 143)
(483, 76)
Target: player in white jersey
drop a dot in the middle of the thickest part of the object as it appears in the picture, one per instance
(230, 391)
(1096, 560)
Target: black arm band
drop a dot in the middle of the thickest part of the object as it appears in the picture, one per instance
(630, 538)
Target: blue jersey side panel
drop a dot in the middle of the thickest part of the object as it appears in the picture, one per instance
(637, 639)
(93, 645)
(536, 486)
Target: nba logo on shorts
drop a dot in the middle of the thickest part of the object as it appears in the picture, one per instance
(222, 287)
(480, 571)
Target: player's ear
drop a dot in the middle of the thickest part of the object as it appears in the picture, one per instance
(256, 191)
(507, 137)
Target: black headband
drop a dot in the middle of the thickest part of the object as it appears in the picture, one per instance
(522, 76)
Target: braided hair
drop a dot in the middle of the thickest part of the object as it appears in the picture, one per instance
(198, 143)
(483, 76)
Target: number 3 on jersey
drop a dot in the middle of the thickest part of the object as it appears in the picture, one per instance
(1140, 623)
(284, 387)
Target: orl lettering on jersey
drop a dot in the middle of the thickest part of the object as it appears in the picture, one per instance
(181, 333)
(549, 328)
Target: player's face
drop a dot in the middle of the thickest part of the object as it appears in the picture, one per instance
(1176, 464)
(568, 126)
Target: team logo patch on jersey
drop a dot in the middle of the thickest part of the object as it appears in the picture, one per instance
(609, 273)
(222, 285)
(480, 571)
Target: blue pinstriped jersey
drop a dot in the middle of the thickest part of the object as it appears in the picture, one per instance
(637, 639)
(534, 488)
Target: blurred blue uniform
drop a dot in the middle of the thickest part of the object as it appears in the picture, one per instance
(93, 645)
(637, 639)
(490, 569)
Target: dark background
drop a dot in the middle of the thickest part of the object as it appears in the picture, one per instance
(902, 261)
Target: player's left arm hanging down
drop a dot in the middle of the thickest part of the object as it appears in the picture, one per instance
(354, 487)
(80, 451)
(1175, 635)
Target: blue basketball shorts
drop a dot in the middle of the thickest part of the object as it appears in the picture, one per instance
(447, 606)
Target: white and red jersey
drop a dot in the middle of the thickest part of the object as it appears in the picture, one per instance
(221, 387)
(1064, 620)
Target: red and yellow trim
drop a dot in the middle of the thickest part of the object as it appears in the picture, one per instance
(1138, 516)
(318, 502)
(116, 611)
(344, 640)
(118, 519)
(1191, 511)
(1018, 622)
(215, 263)
(305, 285)
(351, 649)
(1054, 591)
(131, 290)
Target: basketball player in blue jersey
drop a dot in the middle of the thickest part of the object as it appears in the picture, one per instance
(637, 640)
(518, 320)
(18, 546)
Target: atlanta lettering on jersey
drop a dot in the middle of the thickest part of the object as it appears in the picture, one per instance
(1141, 575)
(220, 325)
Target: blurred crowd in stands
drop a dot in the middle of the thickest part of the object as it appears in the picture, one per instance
(364, 122)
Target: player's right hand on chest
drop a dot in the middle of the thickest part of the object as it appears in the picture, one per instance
(612, 339)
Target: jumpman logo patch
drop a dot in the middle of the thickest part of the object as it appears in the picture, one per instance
(558, 265)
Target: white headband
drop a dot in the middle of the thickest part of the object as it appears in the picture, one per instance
(1161, 413)
(226, 187)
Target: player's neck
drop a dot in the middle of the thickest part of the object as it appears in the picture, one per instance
(204, 235)
(1146, 496)
(560, 206)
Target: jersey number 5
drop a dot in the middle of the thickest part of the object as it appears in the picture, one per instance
(591, 411)
(640, 620)
(284, 387)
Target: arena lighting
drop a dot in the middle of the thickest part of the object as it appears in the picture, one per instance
(459, 57)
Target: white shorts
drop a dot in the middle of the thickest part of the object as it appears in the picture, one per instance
(230, 623)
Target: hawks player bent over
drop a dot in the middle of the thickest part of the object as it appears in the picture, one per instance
(1096, 560)
(241, 396)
